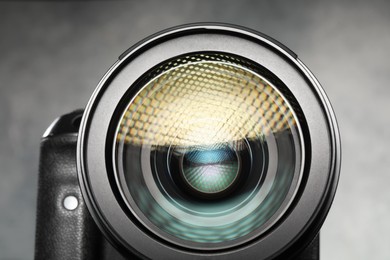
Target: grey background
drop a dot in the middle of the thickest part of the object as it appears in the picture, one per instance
(53, 54)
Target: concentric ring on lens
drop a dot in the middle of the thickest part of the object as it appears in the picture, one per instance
(202, 126)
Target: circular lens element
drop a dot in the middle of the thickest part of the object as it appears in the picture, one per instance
(210, 169)
(208, 152)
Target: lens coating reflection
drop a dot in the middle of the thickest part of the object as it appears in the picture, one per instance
(210, 169)
(205, 124)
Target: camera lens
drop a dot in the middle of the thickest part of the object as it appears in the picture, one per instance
(209, 151)
(209, 141)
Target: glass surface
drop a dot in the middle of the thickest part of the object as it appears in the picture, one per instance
(208, 151)
(210, 169)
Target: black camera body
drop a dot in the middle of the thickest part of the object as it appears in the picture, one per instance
(63, 233)
(131, 177)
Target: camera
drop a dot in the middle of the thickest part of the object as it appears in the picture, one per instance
(204, 141)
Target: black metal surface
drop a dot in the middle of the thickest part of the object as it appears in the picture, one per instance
(63, 234)
(312, 252)
(60, 233)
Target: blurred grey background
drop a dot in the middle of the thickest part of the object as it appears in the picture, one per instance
(53, 54)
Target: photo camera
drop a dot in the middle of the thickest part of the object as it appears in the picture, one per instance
(204, 141)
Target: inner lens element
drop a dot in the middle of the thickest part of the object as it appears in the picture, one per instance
(208, 151)
(210, 169)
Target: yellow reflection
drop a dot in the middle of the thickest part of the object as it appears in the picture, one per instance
(203, 103)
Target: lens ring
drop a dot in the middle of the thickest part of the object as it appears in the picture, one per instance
(189, 210)
(319, 130)
(164, 211)
(161, 200)
(255, 196)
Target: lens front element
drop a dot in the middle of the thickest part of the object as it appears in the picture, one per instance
(208, 152)
(210, 169)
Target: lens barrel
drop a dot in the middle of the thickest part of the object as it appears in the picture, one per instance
(209, 140)
(209, 153)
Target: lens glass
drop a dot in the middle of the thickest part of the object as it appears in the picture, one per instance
(210, 169)
(208, 150)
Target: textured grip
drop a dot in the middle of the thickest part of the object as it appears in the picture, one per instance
(62, 233)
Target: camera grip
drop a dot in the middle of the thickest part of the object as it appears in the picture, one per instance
(63, 233)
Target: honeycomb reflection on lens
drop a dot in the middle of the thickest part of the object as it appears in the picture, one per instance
(204, 103)
(202, 119)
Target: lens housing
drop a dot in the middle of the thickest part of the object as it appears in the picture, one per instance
(103, 189)
(209, 153)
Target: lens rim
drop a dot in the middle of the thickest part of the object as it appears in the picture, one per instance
(132, 207)
(308, 214)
